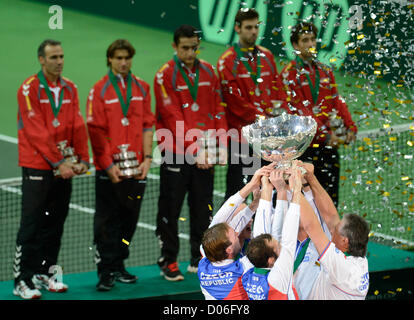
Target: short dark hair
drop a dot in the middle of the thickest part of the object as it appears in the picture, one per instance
(356, 229)
(184, 31)
(120, 44)
(245, 14)
(42, 46)
(259, 251)
(300, 28)
(215, 242)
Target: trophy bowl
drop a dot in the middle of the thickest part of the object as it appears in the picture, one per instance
(280, 139)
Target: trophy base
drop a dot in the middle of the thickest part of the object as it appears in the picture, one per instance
(284, 165)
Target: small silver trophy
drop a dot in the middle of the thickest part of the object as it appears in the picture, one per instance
(280, 139)
(126, 161)
(208, 142)
(68, 153)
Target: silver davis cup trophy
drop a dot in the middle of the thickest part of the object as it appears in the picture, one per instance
(126, 161)
(68, 153)
(280, 139)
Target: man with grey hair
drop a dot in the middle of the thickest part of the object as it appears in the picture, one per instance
(342, 256)
(50, 128)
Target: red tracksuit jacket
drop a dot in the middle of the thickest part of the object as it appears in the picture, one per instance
(239, 90)
(37, 136)
(300, 97)
(174, 103)
(104, 115)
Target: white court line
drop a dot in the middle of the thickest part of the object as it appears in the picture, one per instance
(88, 210)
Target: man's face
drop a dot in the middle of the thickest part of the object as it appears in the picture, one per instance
(235, 244)
(306, 45)
(274, 244)
(52, 62)
(248, 32)
(340, 241)
(121, 62)
(187, 50)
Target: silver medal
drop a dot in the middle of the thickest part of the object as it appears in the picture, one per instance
(55, 123)
(195, 107)
(125, 122)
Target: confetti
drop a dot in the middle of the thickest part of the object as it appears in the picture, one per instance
(125, 241)
(183, 219)
(210, 208)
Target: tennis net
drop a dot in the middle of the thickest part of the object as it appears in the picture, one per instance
(376, 182)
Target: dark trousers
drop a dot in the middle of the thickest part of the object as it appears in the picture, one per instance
(327, 170)
(116, 217)
(241, 165)
(45, 206)
(175, 181)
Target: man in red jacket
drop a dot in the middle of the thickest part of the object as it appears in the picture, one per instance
(189, 111)
(312, 91)
(48, 119)
(251, 87)
(119, 121)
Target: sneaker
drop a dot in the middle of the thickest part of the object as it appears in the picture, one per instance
(106, 282)
(26, 290)
(171, 272)
(125, 277)
(192, 269)
(193, 266)
(42, 281)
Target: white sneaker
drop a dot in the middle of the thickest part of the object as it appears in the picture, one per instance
(192, 269)
(23, 291)
(42, 281)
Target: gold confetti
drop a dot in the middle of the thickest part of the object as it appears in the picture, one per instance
(138, 197)
(210, 208)
(393, 138)
(130, 198)
(126, 242)
(405, 178)
(183, 219)
(360, 36)
(376, 292)
(342, 178)
(231, 204)
(368, 182)
(386, 277)
(386, 194)
(399, 289)
(315, 145)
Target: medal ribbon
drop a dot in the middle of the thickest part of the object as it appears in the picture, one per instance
(192, 88)
(114, 82)
(253, 75)
(301, 255)
(43, 81)
(313, 88)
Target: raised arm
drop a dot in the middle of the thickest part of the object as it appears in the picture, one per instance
(323, 201)
(263, 219)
